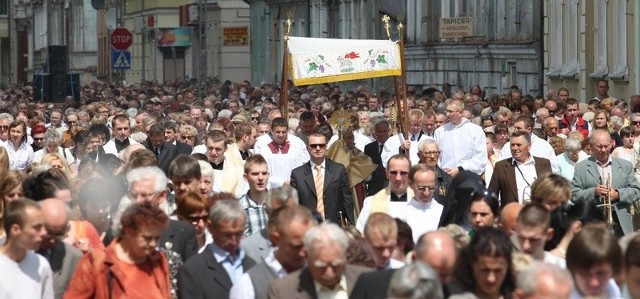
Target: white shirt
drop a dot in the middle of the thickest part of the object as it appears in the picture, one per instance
(539, 148)
(63, 152)
(549, 258)
(421, 217)
(462, 145)
(525, 177)
(394, 209)
(19, 158)
(394, 264)
(281, 165)
(110, 146)
(29, 278)
(612, 291)
(392, 147)
(244, 287)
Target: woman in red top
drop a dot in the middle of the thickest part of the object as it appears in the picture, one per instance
(130, 267)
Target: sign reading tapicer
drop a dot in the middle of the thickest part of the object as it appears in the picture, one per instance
(121, 38)
(456, 27)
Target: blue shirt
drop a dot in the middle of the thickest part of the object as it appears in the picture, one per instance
(232, 265)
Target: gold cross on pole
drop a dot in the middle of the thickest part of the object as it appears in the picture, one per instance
(386, 19)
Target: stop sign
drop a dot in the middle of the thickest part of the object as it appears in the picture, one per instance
(121, 39)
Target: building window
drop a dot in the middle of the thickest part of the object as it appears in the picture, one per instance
(600, 69)
(555, 44)
(4, 7)
(570, 66)
(619, 32)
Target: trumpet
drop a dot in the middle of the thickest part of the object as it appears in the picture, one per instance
(607, 207)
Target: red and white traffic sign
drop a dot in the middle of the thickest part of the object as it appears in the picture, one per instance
(121, 38)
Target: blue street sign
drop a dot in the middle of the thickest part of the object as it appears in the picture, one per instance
(120, 60)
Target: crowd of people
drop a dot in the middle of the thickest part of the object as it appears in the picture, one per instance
(171, 191)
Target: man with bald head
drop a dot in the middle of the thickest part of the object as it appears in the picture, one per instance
(508, 217)
(62, 257)
(435, 249)
(438, 250)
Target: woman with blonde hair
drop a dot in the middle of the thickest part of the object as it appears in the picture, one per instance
(601, 121)
(55, 160)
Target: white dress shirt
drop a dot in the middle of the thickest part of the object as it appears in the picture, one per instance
(463, 145)
(525, 175)
(539, 148)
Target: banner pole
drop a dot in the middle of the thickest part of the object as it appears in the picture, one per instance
(396, 86)
(284, 82)
(405, 106)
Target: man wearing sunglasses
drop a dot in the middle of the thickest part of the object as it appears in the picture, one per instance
(5, 120)
(322, 184)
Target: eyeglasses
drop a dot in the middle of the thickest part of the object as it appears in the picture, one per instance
(431, 153)
(424, 188)
(72, 122)
(318, 145)
(402, 173)
(4, 127)
(635, 123)
(38, 139)
(196, 219)
(552, 111)
(255, 118)
(133, 195)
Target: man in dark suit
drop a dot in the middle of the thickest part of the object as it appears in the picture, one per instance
(322, 184)
(170, 136)
(165, 152)
(326, 247)
(512, 177)
(374, 149)
(212, 273)
(62, 257)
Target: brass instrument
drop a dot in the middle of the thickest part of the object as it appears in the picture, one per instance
(606, 206)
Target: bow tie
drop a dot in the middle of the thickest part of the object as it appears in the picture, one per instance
(120, 145)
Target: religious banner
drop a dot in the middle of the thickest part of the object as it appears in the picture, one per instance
(323, 60)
